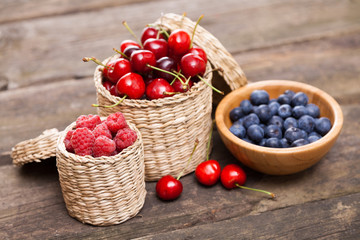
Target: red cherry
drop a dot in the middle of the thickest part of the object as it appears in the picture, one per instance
(179, 87)
(140, 59)
(234, 176)
(150, 32)
(167, 64)
(113, 91)
(208, 172)
(132, 85)
(200, 52)
(107, 85)
(158, 46)
(179, 42)
(130, 49)
(192, 65)
(168, 188)
(124, 44)
(159, 88)
(119, 68)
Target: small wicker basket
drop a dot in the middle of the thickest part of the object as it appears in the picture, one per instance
(170, 126)
(105, 190)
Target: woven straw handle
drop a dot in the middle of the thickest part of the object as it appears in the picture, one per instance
(216, 52)
(36, 149)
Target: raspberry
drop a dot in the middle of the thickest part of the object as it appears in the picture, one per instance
(102, 130)
(82, 141)
(67, 141)
(90, 121)
(124, 138)
(115, 122)
(103, 146)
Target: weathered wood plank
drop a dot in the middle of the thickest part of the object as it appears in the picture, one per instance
(43, 52)
(337, 218)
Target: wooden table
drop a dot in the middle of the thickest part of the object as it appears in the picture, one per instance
(44, 84)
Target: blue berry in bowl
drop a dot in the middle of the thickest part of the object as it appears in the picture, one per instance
(236, 114)
(292, 134)
(313, 138)
(306, 123)
(299, 142)
(259, 97)
(299, 98)
(284, 143)
(323, 125)
(246, 106)
(313, 110)
(263, 112)
(276, 120)
(285, 111)
(238, 130)
(255, 133)
(299, 111)
(274, 107)
(290, 122)
(290, 93)
(273, 142)
(284, 99)
(273, 131)
(251, 119)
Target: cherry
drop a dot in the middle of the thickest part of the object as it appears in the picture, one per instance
(113, 91)
(234, 176)
(141, 59)
(158, 46)
(124, 44)
(159, 88)
(107, 85)
(180, 87)
(192, 65)
(150, 32)
(131, 85)
(199, 51)
(208, 172)
(118, 68)
(130, 49)
(169, 188)
(167, 64)
(179, 42)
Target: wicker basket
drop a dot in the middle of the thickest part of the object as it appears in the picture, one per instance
(105, 190)
(170, 126)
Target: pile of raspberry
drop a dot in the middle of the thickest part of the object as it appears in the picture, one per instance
(97, 138)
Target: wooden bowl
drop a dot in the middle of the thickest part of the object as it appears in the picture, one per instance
(279, 161)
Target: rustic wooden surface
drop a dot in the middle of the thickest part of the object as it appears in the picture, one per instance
(44, 84)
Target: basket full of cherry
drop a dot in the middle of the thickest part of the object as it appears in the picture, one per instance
(162, 82)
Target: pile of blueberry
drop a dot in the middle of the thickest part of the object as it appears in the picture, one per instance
(287, 121)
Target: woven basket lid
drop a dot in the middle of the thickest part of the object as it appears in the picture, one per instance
(36, 149)
(216, 53)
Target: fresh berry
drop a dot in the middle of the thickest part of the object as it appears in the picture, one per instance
(119, 68)
(306, 123)
(259, 97)
(168, 188)
(89, 121)
(255, 133)
(199, 51)
(290, 122)
(208, 172)
(102, 130)
(192, 65)
(246, 106)
(140, 60)
(236, 114)
(179, 42)
(273, 131)
(130, 49)
(285, 111)
(67, 141)
(238, 130)
(299, 142)
(299, 98)
(124, 44)
(159, 88)
(150, 32)
(157, 46)
(284, 99)
(82, 141)
(115, 122)
(323, 125)
(299, 111)
(103, 146)
(131, 85)
(169, 65)
(179, 87)
(251, 119)
(313, 110)
(263, 112)
(273, 142)
(124, 138)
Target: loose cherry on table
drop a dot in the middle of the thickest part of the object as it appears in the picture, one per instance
(233, 176)
(169, 188)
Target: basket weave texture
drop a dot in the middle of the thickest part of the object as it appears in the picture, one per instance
(105, 190)
(35, 149)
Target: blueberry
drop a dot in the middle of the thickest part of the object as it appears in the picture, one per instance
(255, 133)
(276, 120)
(313, 110)
(284, 143)
(284, 111)
(292, 134)
(314, 133)
(236, 114)
(259, 97)
(299, 111)
(290, 93)
(274, 108)
(284, 99)
(263, 112)
(322, 125)
(290, 122)
(299, 142)
(273, 131)
(262, 142)
(248, 140)
(251, 119)
(246, 106)
(272, 100)
(313, 138)
(273, 142)
(299, 98)
(306, 123)
(238, 130)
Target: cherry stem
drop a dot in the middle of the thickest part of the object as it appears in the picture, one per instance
(187, 164)
(121, 53)
(213, 88)
(162, 70)
(209, 141)
(110, 106)
(257, 190)
(131, 32)
(193, 33)
(88, 59)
